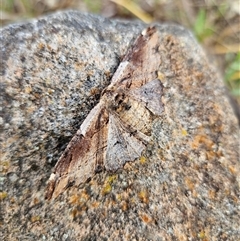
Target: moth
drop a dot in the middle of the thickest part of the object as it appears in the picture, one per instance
(118, 128)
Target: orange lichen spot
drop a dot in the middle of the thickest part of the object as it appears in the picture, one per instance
(143, 196)
(3, 195)
(74, 199)
(142, 160)
(95, 204)
(84, 196)
(41, 46)
(232, 169)
(202, 140)
(189, 183)
(211, 155)
(79, 198)
(124, 206)
(35, 219)
(74, 213)
(145, 218)
(211, 194)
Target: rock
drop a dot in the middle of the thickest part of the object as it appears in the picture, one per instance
(186, 185)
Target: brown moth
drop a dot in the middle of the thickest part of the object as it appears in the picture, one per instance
(118, 128)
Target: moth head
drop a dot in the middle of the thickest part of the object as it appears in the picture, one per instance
(120, 102)
(116, 100)
(107, 92)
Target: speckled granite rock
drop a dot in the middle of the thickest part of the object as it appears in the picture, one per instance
(186, 185)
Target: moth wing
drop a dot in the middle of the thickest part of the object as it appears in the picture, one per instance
(141, 62)
(150, 94)
(84, 154)
(122, 146)
(113, 138)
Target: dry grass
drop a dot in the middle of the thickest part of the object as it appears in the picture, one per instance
(215, 23)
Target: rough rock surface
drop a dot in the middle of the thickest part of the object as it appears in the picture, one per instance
(184, 187)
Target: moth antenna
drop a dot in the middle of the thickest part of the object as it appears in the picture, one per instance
(149, 30)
